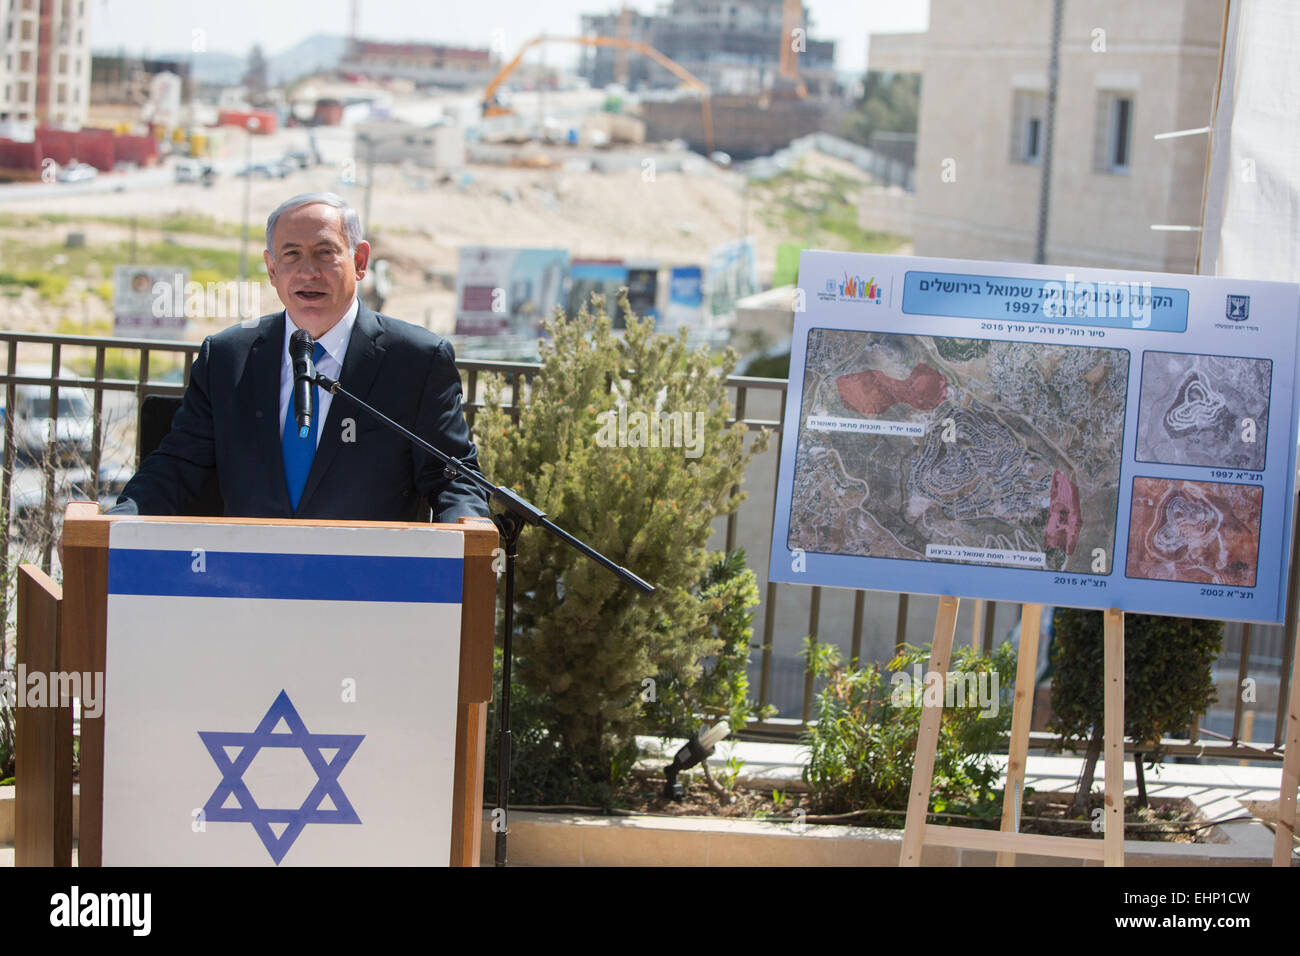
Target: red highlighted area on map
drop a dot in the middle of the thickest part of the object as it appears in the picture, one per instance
(872, 392)
(1064, 518)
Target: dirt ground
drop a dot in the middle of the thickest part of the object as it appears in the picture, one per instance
(420, 220)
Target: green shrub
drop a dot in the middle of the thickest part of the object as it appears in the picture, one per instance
(1168, 679)
(585, 641)
(729, 592)
(862, 746)
(769, 366)
(50, 285)
(6, 740)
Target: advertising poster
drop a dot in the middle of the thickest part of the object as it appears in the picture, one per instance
(603, 276)
(685, 299)
(733, 274)
(508, 292)
(787, 264)
(643, 288)
(149, 301)
(1045, 434)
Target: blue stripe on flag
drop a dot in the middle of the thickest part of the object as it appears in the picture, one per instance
(301, 577)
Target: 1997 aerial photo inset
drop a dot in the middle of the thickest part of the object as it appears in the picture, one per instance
(1203, 410)
(1196, 531)
(930, 448)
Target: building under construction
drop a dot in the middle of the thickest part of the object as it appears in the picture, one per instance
(734, 46)
(767, 81)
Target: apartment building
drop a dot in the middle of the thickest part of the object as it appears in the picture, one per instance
(1128, 72)
(44, 63)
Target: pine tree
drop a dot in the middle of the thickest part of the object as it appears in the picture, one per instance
(586, 642)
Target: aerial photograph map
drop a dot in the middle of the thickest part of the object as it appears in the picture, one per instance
(1203, 410)
(930, 448)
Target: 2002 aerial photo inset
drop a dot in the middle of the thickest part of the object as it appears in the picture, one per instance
(1196, 531)
(944, 449)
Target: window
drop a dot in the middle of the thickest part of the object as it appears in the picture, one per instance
(1113, 146)
(1028, 126)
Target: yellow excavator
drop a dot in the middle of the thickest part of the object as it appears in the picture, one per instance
(493, 107)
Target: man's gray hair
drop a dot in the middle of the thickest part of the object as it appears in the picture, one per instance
(351, 221)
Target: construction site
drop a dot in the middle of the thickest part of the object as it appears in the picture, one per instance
(652, 148)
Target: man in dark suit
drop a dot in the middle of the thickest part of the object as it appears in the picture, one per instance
(237, 417)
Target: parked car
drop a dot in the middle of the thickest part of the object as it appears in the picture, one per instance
(27, 492)
(268, 169)
(32, 423)
(78, 173)
(192, 171)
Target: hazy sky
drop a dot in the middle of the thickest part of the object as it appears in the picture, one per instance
(232, 26)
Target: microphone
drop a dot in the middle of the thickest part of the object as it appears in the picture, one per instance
(301, 348)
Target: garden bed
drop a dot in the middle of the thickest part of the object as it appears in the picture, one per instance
(1166, 820)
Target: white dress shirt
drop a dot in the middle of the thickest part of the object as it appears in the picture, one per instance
(335, 343)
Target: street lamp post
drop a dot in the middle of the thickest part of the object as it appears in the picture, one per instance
(370, 175)
(253, 124)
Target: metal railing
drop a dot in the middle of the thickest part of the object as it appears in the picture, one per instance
(1274, 645)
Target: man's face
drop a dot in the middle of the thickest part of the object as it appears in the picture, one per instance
(312, 270)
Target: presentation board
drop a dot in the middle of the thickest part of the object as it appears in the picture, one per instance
(1044, 434)
(280, 695)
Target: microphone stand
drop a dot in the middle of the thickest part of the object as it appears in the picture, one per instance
(510, 523)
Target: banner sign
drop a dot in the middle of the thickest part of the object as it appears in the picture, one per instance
(602, 276)
(1041, 434)
(733, 274)
(685, 299)
(280, 695)
(508, 292)
(643, 288)
(149, 301)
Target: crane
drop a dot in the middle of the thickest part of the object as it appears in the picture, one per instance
(491, 106)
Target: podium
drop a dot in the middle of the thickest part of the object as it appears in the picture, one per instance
(244, 660)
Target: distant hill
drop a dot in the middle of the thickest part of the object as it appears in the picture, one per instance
(320, 51)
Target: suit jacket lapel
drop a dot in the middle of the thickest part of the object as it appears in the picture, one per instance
(360, 366)
(259, 396)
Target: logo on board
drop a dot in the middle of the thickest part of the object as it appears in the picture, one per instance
(852, 288)
(1238, 308)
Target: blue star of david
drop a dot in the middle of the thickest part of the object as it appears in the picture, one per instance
(297, 737)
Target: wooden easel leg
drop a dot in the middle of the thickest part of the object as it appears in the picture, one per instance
(1284, 836)
(1022, 712)
(927, 741)
(1114, 739)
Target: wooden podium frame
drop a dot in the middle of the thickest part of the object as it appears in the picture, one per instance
(65, 630)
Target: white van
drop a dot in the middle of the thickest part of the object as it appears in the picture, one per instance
(32, 422)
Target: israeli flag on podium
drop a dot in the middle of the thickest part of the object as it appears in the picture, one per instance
(280, 695)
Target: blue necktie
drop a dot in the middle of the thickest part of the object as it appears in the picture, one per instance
(298, 451)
